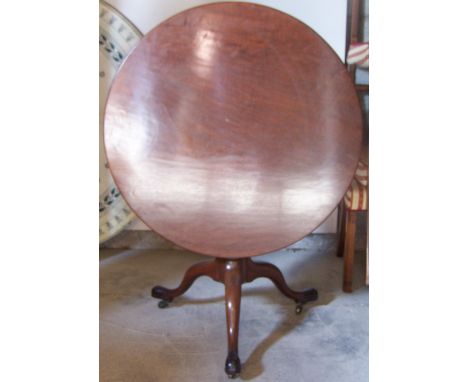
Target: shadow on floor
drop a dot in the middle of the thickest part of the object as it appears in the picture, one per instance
(131, 274)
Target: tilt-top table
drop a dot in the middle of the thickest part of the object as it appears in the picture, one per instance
(232, 130)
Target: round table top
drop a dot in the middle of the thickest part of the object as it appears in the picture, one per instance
(232, 130)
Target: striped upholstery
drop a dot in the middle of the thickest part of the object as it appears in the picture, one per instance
(356, 198)
(362, 173)
(358, 54)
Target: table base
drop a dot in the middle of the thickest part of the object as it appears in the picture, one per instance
(233, 273)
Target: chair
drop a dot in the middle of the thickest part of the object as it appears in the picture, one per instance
(357, 195)
(356, 200)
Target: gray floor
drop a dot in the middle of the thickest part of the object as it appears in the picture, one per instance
(187, 342)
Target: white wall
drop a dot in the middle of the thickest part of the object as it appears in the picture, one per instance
(326, 17)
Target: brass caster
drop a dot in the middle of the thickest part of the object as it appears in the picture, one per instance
(298, 308)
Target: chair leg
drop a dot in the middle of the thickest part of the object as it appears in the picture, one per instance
(349, 251)
(367, 250)
(341, 227)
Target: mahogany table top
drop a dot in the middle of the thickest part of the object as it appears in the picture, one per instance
(232, 130)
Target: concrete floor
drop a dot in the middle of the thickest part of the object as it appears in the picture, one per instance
(187, 341)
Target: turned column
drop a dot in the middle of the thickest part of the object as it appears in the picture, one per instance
(233, 273)
(233, 279)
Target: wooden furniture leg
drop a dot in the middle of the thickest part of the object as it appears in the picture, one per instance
(204, 268)
(341, 228)
(349, 250)
(232, 285)
(269, 271)
(233, 273)
(367, 250)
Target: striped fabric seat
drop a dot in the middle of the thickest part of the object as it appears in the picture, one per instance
(358, 54)
(356, 198)
(362, 173)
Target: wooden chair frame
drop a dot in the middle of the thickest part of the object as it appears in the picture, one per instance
(347, 218)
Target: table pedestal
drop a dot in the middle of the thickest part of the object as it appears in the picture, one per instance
(233, 273)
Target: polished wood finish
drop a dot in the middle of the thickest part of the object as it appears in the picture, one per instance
(233, 273)
(354, 32)
(349, 250)
(205, 268)
(367, 249)
(362, 88)
(355, 24)
(341, 228)
(232, 129)
(233, 285)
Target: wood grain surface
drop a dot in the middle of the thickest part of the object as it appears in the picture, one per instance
(232, 129)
